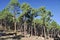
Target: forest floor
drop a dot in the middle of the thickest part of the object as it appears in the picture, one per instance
(29, 38)
(35, 38)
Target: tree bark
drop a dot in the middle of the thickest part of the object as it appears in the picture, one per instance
(5, 25)
(25, 28)
(31, 31)
(44, 28)
(34, 29)
(14, 19)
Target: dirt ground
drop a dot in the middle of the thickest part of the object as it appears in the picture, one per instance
(35, 38)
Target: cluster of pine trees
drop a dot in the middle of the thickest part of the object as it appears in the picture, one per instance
(22, 17)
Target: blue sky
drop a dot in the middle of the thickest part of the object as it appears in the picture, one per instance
(52, 5)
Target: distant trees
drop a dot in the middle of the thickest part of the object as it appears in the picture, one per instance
(28, 15)
(24, 16)
(14, 8)
(54, 29)
(6, 18)
(45, 17)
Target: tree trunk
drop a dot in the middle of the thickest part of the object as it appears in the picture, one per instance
(44, 28)
(25, 28)
(31, 31)
(15, 26)
(14, 19)
(44, 33)
(5, 25)
(34, 29)
(21, 28)
(14, 23)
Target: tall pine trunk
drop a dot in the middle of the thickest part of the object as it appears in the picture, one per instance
(31, 31)
(44, 29)
(5, 25)
(25, 28)
(34, 28)
(14, 19)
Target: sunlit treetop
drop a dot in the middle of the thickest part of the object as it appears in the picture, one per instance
(5, 14)
(13, 5)
(25, 6)
(14, 2)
